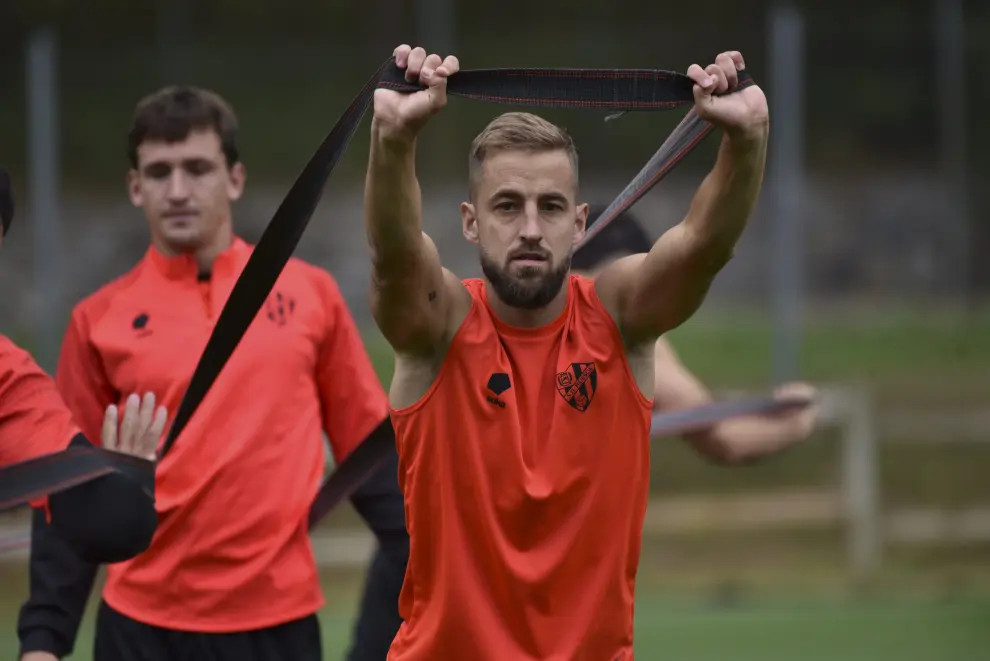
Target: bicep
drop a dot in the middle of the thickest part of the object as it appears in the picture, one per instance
(652, 293)
(413, 299)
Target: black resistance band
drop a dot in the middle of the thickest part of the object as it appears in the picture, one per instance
(614, 90)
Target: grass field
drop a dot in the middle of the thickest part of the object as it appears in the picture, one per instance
(876, 632)
(688, 630)
(785, 597)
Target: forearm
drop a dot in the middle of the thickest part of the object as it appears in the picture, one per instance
(60, 585)
(393, 204)
(726, 198)
(109, 519)
(379, 502)
(747, 438)
(655, 293)
(378, 618)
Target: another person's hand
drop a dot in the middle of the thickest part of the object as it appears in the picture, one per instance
(141, 429)
(39, 656)
(744, 114)
(399, 116)
(802, 420)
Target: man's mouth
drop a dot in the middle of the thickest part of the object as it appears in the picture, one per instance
(180, 216)
(530, 259)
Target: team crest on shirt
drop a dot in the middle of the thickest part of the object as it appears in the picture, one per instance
(279, 308)
(577, 384)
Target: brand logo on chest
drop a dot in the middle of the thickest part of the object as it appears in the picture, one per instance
(140, 325)
(498, 383)
(577, 385)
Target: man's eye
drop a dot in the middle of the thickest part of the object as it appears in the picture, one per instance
(198, 168)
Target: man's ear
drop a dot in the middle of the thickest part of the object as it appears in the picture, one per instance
(238, 177)
(133, 180)
(580, 222)
(469, 222)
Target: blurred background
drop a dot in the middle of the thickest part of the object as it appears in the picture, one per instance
(864, 271)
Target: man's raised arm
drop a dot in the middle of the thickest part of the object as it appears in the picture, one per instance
(651, 294)
(411, 293)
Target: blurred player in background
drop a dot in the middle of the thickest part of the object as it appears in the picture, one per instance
(731, 441)
(230, 574)
(111, 518)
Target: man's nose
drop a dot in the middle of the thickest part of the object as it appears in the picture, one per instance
(531, 229)
(178, 185)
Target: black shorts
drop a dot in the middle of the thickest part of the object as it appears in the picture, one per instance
(119, 638)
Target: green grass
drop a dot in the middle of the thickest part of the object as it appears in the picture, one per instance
(686, 628)
(872, 632)
(823, 632)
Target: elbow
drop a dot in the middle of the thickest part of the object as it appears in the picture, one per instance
(135, 538)
(717, 450)
(393, 264)
(137, 530)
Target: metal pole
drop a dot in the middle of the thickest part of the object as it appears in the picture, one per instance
(785, 185)
(435, 25)
(173, 40)
(950, 63)
(43, 190)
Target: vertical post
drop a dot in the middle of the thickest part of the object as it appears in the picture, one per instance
(785, 184)
(950, 63)
(43, 190)
(860, 485)
(173, 40)
(435, 25)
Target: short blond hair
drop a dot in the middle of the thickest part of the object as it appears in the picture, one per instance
(519, 131)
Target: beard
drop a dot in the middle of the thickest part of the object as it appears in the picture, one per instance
(531, 290)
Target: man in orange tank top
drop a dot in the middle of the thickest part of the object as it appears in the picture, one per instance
(736, 440)
(521, 400)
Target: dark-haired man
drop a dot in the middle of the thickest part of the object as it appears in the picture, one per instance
(733, 440)
(230, 574)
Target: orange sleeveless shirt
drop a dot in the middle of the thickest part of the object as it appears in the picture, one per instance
(525, 470)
